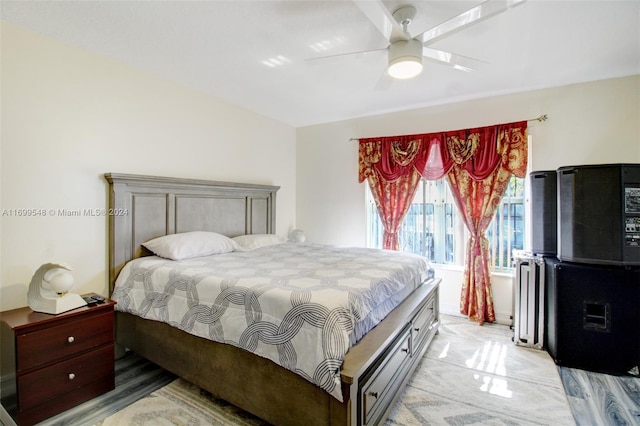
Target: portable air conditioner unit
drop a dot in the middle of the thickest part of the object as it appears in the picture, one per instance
(528, 323)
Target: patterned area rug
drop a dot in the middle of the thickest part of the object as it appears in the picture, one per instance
(181, 403)
(471, 375)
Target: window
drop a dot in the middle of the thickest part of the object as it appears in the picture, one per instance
(507, 229)
(433, 227)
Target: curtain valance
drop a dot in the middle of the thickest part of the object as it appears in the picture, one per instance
(478, 151)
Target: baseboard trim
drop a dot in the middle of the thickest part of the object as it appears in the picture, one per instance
(5, 418)
(454, 310)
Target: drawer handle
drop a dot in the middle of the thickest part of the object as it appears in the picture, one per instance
(417, 329)
(71, 339)
(374, 394)
(72, 376)
(405, 349)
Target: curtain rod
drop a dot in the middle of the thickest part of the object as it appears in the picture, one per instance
(543, 117)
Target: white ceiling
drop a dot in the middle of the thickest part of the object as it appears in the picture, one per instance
(253, 53)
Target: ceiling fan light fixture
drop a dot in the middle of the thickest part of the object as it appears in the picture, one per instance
(405, 59)
(405, 68)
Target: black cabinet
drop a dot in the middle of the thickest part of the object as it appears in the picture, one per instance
(599, 214)
(593, 316)
(544, 209)
(586, 226)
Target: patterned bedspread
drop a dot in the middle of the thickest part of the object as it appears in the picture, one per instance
(300, 305)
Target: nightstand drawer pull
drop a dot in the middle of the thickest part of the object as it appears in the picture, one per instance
(72, 376)
(71, 339)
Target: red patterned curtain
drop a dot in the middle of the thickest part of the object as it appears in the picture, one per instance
(478, 164)
(392, 167)
(485, 160)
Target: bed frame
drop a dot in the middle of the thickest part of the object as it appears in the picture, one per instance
(374, 371)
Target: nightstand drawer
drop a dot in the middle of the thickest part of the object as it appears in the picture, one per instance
(53, 343)
(46, 384)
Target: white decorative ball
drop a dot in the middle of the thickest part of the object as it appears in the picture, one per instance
(298, 236)
(60, 280)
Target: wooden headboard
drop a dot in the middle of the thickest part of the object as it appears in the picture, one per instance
(145, 207)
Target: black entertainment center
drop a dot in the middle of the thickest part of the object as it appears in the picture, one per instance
(586, 230)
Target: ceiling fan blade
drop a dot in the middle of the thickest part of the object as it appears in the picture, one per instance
(458, 62)
(474, 15)
(338, 55)
(382, 19)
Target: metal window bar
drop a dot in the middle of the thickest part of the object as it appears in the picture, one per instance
(428, 227)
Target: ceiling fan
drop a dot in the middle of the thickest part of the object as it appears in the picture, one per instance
(405, 52)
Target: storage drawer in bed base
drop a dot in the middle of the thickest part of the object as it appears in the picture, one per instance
(386, 379)
(380, 386)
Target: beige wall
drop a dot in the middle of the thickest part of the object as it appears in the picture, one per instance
(69, 116)
(588, 123)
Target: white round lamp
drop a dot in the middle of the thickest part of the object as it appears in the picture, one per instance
(58, 280)
(297, 236)
(49, 290)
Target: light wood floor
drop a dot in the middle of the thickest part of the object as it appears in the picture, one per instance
(601, 399)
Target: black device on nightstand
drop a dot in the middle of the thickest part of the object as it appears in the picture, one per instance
(93, 300)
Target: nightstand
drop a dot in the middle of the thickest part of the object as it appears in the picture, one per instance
(51, 363)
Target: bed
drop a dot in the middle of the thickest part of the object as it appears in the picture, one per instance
(374, 370)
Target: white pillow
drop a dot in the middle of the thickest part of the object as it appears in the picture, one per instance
(186, 245)
(254, 241)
